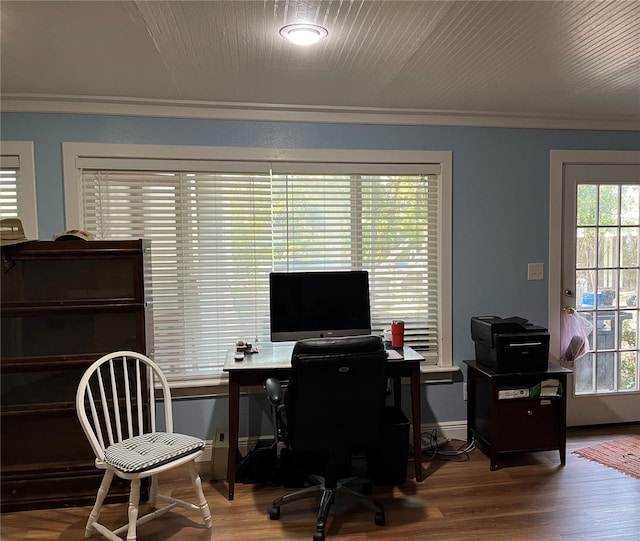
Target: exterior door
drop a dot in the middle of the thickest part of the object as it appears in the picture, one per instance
(600, 277)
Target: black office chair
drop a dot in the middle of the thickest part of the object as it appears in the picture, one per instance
(333, 404)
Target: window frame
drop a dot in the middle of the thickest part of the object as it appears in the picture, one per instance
(24, 151)
(74, 152)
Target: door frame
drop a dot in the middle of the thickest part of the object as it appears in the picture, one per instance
(558, 159)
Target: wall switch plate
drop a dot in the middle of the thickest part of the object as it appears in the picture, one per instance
(535, 271)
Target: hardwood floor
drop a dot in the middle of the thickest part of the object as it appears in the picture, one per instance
(529, 497)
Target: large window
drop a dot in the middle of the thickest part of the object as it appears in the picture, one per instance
(17, 185)
(220, 220)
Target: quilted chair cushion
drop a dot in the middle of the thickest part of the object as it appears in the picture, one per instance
(142, 453)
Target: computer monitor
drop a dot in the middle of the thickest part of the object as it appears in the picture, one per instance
(319, 304)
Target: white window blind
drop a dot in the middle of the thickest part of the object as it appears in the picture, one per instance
(17, 185)
(383, 223)
(218, 228)
(10, 200)
(210, 253)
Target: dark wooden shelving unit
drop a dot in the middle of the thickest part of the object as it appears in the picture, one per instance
(64, 304)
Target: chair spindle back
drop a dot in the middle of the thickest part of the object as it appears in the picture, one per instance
(119, 392)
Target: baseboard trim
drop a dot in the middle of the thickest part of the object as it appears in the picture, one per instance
(452, 430)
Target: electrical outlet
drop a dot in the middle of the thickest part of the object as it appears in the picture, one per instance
(430, 446)
(535, 271)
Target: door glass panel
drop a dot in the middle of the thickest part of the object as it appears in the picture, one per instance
(608, 210)
(584, 376)
(607, 247)
(586, 256)
(587, 210)
(629, 248)
(607, 277)
(630, 198)
(628, 370)
(605, 365)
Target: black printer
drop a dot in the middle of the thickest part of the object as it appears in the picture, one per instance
(510, 345)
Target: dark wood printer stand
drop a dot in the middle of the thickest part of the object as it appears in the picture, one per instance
(501, 423)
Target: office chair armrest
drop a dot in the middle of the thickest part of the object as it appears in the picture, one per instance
(273, 387)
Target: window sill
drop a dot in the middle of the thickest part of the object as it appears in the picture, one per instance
(439, 374)
(212, 387)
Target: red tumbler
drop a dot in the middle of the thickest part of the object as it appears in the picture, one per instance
(397, 333)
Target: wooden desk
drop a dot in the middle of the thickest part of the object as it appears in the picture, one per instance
(274, 360)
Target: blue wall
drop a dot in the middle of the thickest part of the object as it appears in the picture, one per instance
(500, 211)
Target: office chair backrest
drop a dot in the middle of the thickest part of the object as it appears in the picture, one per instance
(336, 393)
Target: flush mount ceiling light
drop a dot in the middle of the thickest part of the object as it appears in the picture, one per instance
(303, 34)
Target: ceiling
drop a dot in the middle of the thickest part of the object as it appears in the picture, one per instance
(544, 59)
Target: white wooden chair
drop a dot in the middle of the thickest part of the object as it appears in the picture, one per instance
(128, 446)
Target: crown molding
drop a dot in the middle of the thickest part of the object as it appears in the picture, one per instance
(43, 103)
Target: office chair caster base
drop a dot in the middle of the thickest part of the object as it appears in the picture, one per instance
(380, 519)
(274, 513)
(318, 535)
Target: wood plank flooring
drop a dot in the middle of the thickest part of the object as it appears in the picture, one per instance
(529, 497)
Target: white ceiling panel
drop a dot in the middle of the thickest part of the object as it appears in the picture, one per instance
(562, 59)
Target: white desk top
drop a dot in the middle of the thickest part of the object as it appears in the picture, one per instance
(278, 355)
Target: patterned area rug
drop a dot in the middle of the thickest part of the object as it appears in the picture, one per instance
(622, 454)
